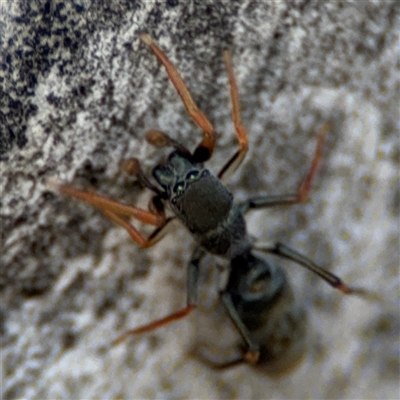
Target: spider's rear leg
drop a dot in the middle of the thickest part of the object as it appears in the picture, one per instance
(287, 252)
(153, 325)
(206, 147)
(203, 355)
(333, 280)
(252, 353)
(192, 280)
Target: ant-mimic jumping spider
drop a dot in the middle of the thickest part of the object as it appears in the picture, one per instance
(202, 203)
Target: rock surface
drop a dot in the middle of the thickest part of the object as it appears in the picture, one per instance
(79, 91)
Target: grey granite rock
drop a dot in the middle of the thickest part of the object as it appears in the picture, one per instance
(78, 92)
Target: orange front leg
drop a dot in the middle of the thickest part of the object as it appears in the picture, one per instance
(115, 207)
(232, 165)
(205, 149)
(118, 213)
(135, 235)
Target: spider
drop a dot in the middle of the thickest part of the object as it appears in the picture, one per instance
(200, 201)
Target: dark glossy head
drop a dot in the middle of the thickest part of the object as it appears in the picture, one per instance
(196, 196)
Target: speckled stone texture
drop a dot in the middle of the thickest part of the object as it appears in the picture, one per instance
(78, 91)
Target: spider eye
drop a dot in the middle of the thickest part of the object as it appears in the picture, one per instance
(178, 188)
(191, 176)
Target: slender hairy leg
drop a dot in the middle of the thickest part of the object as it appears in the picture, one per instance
(304, 189)
(223, 365)
(153, 325)
(287, 252)
(192, 279)
(231, 166)
(252, 354)
(205, 149)
(118, 212)
(106, 204)
(135, 235)
(216, 364)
